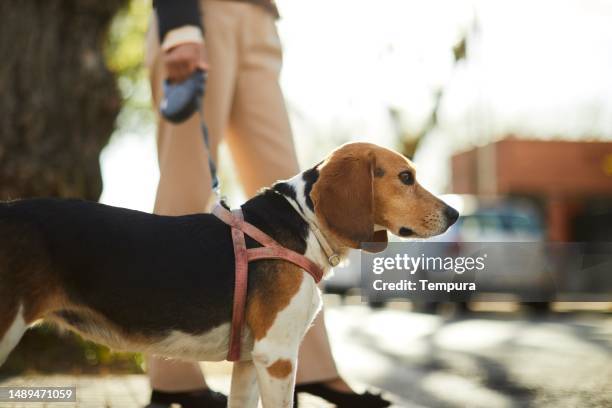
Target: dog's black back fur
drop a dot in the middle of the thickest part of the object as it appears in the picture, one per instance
(146, 273)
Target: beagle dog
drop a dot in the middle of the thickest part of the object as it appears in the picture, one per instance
(163, 285)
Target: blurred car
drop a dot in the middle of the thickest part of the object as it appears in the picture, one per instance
(511, 221)
(492, 220)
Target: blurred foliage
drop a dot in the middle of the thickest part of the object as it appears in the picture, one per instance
(125, 45)
(42, 351)
(125, 55)
(410, 141)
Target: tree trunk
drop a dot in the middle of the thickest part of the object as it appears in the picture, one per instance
(58, 104)
(58, 100)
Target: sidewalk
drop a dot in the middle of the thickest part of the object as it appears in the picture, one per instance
(129, 391)
(123, 391)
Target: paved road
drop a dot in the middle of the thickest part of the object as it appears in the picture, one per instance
(500, 360)
(488, 360)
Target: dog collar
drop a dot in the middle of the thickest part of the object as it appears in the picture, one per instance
(270, 250)
(332, 257)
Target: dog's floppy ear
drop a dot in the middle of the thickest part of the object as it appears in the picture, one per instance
(343, 197)
(378, 243)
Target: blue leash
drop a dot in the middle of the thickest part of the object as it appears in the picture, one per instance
(183, 99)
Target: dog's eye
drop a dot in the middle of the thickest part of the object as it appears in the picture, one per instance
(406, 177)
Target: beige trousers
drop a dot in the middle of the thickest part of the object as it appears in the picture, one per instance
(243, 105)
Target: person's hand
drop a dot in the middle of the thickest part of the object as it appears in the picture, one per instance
(181, 61)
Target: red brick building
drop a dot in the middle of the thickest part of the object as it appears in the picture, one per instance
(565, 177)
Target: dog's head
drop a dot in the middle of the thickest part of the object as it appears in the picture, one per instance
(364, 190)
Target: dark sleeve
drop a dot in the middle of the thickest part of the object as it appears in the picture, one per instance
(172, 14)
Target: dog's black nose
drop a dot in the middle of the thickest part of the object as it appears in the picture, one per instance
(451, 215)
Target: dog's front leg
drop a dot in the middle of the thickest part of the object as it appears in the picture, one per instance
(243, 393)
(276, 376)
(275, 354)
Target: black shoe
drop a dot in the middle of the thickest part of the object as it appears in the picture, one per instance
(341, 399)
(189, 399)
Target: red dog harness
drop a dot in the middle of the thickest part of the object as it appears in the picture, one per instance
(270, 250)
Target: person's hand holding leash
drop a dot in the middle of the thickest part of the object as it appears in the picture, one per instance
(182, 60)
(185, 82)
(184, 88)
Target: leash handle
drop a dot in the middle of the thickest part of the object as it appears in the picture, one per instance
(181, 100)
